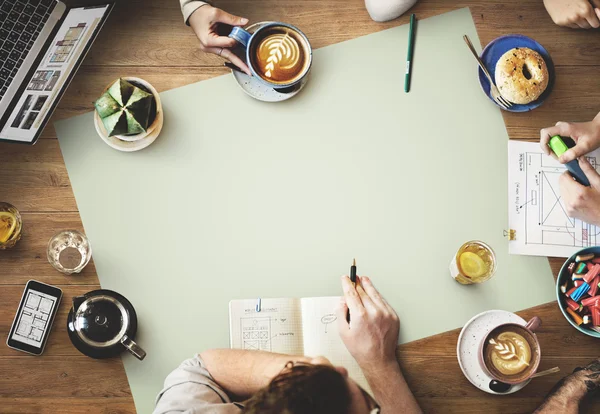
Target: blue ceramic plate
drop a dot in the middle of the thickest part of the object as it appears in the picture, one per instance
(564, 275)
(492, 53)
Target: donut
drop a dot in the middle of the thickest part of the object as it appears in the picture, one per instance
(521, 75)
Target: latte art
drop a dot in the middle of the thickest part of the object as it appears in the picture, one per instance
(280, 56)
(509, 352)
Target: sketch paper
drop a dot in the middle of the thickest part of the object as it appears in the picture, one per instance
(306, 326)
(536, 210)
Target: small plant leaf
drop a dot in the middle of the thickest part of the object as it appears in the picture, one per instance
(115, 124)
(106, 105)
(124, 108)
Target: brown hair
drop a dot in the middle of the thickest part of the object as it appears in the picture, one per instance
(303, 389)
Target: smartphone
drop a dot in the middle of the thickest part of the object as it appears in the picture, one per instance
(31, 327)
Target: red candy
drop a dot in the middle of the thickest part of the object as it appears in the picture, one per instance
(594, 286)
(573, 305)
(596, 316)
(590, 301)
(594, 271)
(586, 311)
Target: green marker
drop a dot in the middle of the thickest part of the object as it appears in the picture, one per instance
(411, 42)
(558, 146)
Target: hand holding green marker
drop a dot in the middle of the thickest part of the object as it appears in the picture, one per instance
(558, 146)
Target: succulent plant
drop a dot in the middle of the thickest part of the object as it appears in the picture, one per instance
(124, 109)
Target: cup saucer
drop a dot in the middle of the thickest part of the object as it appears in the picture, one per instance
(257, 89)
(469, 339)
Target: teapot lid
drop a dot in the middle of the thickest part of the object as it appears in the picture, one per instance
(101, 321)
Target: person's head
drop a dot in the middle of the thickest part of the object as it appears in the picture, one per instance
(311, 388)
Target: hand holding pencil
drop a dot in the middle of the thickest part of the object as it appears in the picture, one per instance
(371, 336)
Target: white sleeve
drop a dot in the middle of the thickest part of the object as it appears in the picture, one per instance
(385, 10)
(190, 6)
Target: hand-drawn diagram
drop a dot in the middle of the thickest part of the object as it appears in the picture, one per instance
(327, 319)
(547, 219)
(256, 333)
(34, 318)
(537, 211)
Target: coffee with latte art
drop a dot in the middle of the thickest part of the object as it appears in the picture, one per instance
(510, 352)
(280, 55)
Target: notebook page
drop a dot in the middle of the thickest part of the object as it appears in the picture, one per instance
(321, 337)
(276, 328)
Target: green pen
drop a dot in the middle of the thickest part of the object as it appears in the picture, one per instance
(411, 42)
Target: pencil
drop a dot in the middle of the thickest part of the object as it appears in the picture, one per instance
(409, 55)
(353, 271)
(353, 280)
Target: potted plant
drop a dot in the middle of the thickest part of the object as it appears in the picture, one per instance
(129, 111)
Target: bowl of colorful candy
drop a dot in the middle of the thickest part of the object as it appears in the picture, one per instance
(578, 291)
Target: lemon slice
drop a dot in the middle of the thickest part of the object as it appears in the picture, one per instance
(472, 265)
(8, 222)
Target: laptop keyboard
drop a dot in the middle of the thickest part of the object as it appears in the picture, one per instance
(20, 24)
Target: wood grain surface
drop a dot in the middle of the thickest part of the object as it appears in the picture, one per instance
(147, 38)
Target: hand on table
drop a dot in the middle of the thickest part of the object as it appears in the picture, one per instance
(372, 334)
(582, 202)
(574, 13)
(206, 21)
(585, 134)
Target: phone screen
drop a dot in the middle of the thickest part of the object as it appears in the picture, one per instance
(34, 318)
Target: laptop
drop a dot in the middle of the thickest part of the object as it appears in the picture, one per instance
(42, 43)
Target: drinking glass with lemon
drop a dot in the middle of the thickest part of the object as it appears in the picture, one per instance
(474, 262)
(10, 225)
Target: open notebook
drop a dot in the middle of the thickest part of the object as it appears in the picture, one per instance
(306, 326)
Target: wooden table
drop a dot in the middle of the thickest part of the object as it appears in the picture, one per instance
(147, 38)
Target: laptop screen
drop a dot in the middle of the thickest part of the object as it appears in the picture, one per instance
(47, 83)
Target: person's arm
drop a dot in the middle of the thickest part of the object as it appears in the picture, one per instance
(206, 21)
(242, 373)
(582, 202)
(576, 14)
(188, 7)
(371, 336)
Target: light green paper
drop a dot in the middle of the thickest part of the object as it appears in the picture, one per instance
(239, 199)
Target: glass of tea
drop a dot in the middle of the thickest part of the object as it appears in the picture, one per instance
(474, 262)
(69, 251)
(10, 225)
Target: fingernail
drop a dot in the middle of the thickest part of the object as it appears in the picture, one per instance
(244, 20)
(364, 279)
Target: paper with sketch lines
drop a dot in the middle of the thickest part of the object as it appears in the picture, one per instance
(536, 210)
(306, 326)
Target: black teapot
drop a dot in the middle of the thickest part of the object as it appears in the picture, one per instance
(102, 324)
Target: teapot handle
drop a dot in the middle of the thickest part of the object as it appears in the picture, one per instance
(132, 347)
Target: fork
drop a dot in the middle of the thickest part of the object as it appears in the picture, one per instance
(498, 98)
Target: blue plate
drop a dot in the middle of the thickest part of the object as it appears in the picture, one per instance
(565, 275)
(492, 53)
